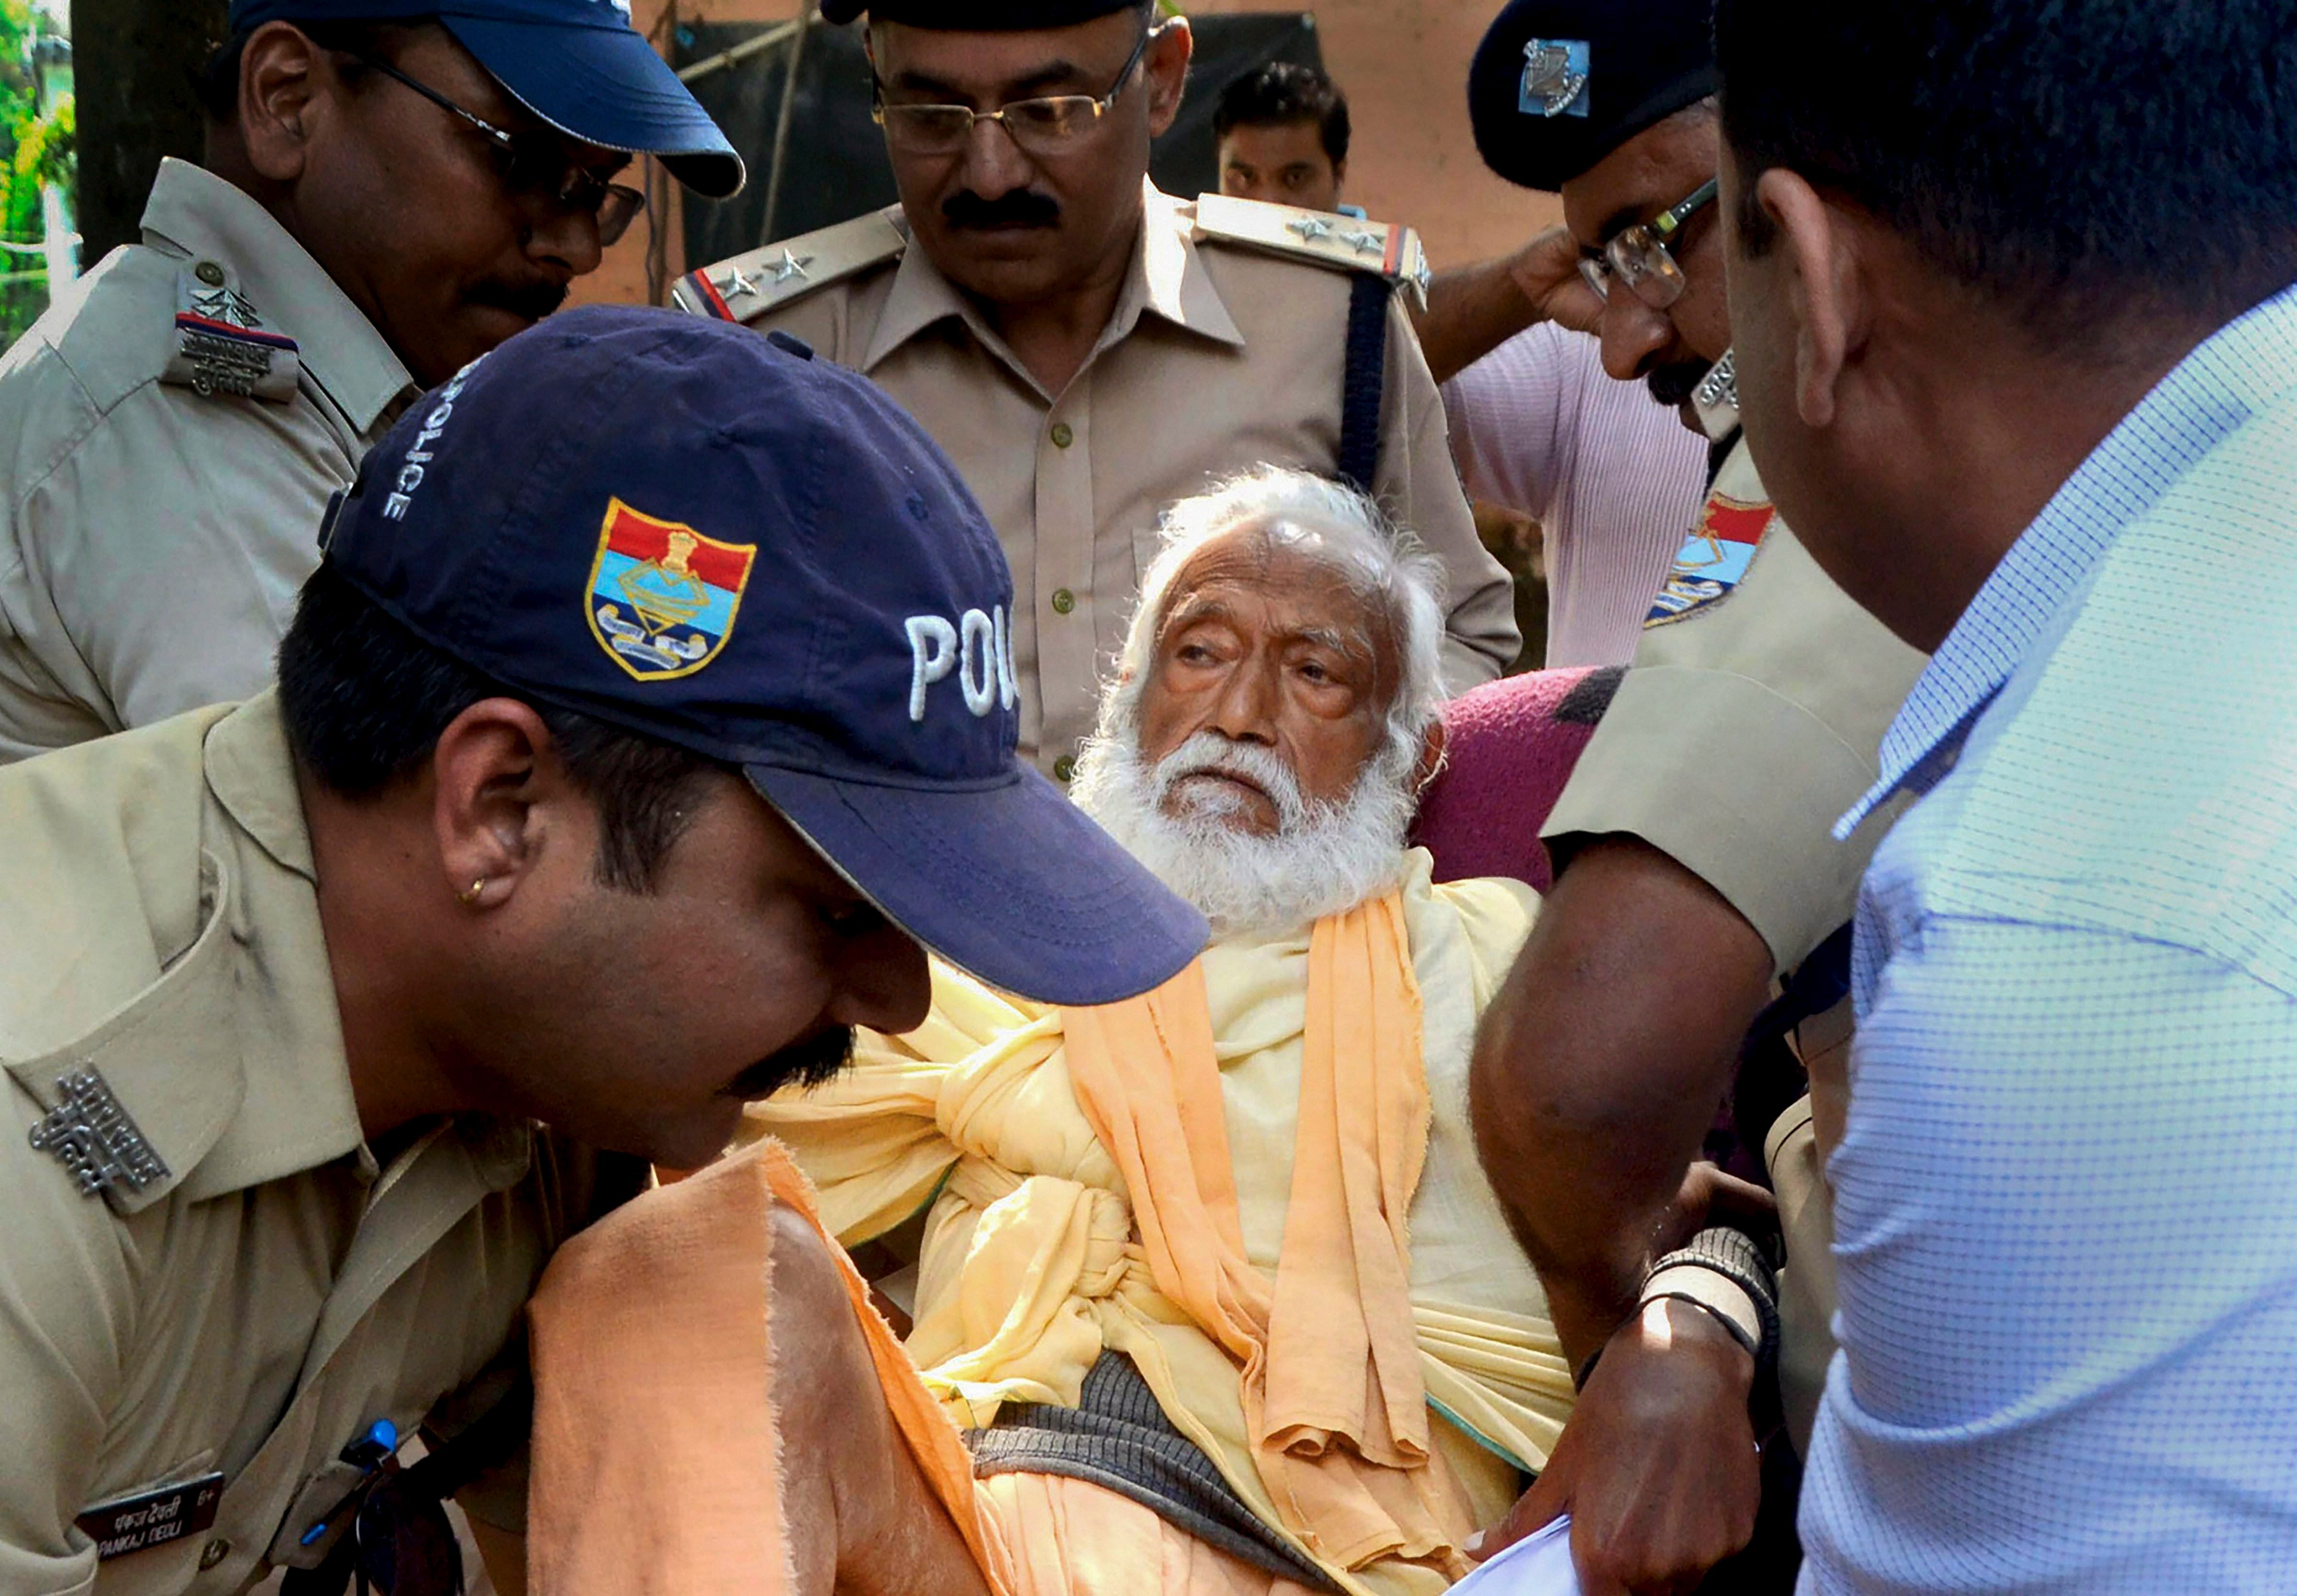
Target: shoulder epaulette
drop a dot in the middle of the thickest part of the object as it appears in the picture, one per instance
(222, 345)
(1323, 237)
(746, 286)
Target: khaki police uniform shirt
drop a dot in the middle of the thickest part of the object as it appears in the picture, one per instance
(1218, 357)
(1751, 720)
(153, 536)
(261, 1304)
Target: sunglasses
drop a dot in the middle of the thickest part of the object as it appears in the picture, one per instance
(1641, 257)
(534, 167)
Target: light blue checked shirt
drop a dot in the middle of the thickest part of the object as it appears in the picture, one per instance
(2066, 1203)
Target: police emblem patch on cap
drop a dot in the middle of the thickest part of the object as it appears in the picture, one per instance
(663, 596)
(1554, 77)
(1713, 559)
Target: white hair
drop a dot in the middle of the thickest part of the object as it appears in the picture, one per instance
(1320, 520)
(1326, 856)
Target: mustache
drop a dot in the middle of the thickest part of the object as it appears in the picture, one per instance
(817, 1060)
(1673, 385)
(533, 301)
(1208, 752)
(1023, 208)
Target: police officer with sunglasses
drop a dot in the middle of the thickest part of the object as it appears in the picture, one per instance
(390, 188)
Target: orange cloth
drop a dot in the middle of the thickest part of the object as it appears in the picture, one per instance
(657, 1465)
(1333, 1393)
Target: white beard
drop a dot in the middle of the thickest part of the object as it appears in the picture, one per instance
(1323, 858)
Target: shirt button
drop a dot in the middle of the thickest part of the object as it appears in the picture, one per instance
(1063, 601)
(1062, 435)
(1064, 767)
(214, 1552)
(208, 272)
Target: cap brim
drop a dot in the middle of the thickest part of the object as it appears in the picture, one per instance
(605, 87)
(1011, 884)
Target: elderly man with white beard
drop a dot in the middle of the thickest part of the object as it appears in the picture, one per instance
(1211, 1280)
(1210, 1293)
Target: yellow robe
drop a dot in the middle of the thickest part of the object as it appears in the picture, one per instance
(1031, 1267)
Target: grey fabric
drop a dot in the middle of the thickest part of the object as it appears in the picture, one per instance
(1118, 1437)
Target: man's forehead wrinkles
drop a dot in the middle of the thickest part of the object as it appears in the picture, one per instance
(1363, 641)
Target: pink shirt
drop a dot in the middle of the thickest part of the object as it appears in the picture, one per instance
(1614, 479)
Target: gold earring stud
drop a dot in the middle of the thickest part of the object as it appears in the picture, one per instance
(469, 895)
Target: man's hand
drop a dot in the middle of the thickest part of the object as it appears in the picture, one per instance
(1472, 309)
(1658, 1465)
(1546, 271)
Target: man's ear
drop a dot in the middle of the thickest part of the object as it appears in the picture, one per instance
(1432, 743)
(1167, 68)
(1825, 287)
(494, 766)
(282, 74)
(1340, 175)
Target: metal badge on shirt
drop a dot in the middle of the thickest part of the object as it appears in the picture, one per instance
(95, 1139)
(221, 343)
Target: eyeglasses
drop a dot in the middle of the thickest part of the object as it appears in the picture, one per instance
(1640, 256)
(1040, 126)
(534, 165)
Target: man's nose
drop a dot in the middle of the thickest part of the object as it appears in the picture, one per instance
(1245, 711)
(883, 984)
(568, 237)
(994, 164)
(1632, 332)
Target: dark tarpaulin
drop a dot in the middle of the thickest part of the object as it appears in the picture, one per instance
(835, 168)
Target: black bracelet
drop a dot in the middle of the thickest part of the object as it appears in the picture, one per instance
(1737, 1331)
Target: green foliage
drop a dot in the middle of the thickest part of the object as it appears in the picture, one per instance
(36, 147)
(46, 149)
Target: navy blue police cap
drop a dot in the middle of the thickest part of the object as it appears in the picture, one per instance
(1558, 85)
(577, 64)
(715, 540)
(977, 16)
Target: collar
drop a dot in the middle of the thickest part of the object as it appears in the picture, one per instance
(231, 1064)
(1168, 279)
(298, 1111)
(193, 212)
(2240, 370)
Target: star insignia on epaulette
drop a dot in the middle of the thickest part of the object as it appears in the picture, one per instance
(791, 266)
(228, 306)
(1310, 228)
(733, 283)
(1364, 241)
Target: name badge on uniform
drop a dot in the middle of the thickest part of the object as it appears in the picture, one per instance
(222, 345)
(94, 1138)
(151, 1518)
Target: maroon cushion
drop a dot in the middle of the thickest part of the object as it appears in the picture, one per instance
(1510, 749)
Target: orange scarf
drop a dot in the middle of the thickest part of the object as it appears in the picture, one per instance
(1332, 1387)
